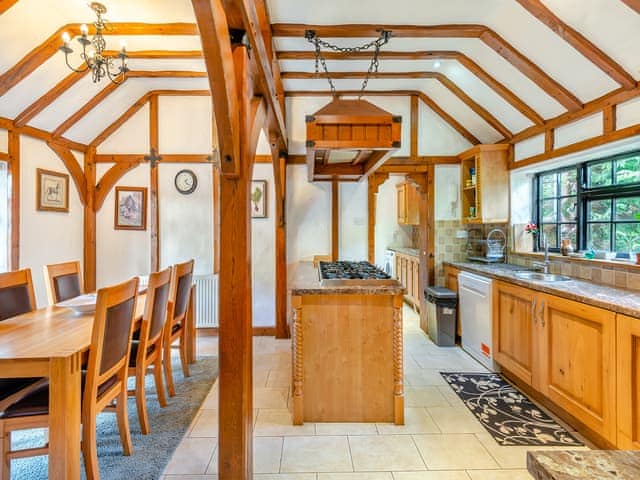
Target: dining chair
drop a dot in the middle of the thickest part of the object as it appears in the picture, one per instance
(16, 298)
(176, 326)
(63, 281)
(104, 381)
(147, 350)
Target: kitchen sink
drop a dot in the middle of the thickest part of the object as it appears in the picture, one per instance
(543, 277)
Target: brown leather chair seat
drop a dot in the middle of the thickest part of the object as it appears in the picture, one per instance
(134, 352)
(9, 386)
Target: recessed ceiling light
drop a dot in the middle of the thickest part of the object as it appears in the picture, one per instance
(436, 64)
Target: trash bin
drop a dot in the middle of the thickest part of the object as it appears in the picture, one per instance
(441, 315)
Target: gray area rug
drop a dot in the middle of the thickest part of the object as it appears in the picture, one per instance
(151, 453)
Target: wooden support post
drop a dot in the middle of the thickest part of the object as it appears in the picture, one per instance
(414, 127)
(280, 177)
(90, 221)
(374, 182)
(235, 331)
(609, 119)
(154, 210)
(335, 220)
(14, 200)
(215, 190)
(549, 139)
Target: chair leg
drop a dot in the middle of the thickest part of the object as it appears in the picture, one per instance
(168, 371)
(5, 447)
(141, 400)
(123, 421)
(184, 359)
(157, 375)
(89, 445)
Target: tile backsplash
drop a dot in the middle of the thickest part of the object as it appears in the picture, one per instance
(448, 248)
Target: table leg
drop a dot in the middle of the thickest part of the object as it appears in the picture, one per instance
(191, 326)
(64, 417)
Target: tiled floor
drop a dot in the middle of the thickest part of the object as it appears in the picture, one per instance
(441, 440)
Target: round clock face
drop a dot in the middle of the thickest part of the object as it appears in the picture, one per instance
(186, 181)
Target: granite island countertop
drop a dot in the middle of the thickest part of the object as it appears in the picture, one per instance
(414, 252)
(584, 465)
(304, 280)
(617, 300)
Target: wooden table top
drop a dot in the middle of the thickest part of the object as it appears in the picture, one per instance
(49, 332)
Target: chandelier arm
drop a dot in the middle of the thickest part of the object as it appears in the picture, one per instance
(77, 70)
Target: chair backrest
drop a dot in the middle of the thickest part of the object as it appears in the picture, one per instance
(63, 280)
(111, 336)
(155, 309)
(181, 280)
(16, 293)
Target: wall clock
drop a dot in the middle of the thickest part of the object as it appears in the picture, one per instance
(186, 182)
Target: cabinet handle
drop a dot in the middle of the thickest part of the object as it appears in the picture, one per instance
(561, 371)
(541, 314)
(533, 310)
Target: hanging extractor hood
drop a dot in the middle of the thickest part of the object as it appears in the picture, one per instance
(349, 139)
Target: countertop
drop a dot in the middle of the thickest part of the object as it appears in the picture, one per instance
(617, 300)
(584, 465)
(414, 252)
(304, 280)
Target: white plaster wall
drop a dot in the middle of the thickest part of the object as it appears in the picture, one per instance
(628, 113)
(185, 124)
(588, 127)
(46, 237)
(4, 140)
(263, 253)
(447, 192)
(308, 216)
(353, 226)
(521, 196)
(131, 137)
(186, 221)
(437, 137)
(529, 147)
(388, 231)
(121, 254)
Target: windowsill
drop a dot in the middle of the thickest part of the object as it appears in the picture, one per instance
(596, 262)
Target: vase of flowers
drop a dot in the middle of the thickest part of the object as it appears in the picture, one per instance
(532, 229)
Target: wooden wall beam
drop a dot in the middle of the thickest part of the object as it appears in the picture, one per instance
(415, 114)
(459, 57)
(280, 180)
(49, 47)
(89, 224)
(154, 187)
(166, 74)
(549, 139)
(633, 4)
(108, 181)
(373, 184)
(4, 157)
(74, 169)
(158, 54)
(107, 132)
(609, 119)
(48, 98)
(578, 41)
(42, 135)
(6, 5)
(166, 158)
(13, 170)
(457, 126)
(335, 220)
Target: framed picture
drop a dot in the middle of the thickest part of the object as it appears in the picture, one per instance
(259, 199)
(131, 208)
(52, 190)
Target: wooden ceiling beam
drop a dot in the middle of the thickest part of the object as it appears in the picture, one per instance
(6, 5)
(459, 57)
(102, 136)
(443, 79)
(108, 181)
(485, 34)
(43, 135)
(457, 126)
(633, 4)
(74, 169)
(50, 46)
(339, 169)
(166, 74)
(48, 98)
(159, 54)
(578, 41)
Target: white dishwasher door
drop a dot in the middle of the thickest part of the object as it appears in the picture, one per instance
(476, 317)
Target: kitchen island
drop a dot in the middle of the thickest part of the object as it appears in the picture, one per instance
(347, 349)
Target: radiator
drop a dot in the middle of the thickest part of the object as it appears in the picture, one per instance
(206, 301)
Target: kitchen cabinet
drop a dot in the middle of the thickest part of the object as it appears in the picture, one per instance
(628, 382)
(451, 282)
(408, 273)
(564, 349)
(485, 184)
(408, 204)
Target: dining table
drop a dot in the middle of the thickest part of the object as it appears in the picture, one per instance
(51, 342)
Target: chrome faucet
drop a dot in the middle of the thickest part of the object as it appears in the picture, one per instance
(544, 266)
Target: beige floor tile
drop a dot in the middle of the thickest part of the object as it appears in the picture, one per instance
(207, 345)
(453, 452)
(424, 378)
(272, 423)
(279, 378)
(270, 397)
(499, 475)
(346, 429)
(416, 420)
(190, 477)
(356, 476)
(211, 400)
(316, 454)
(442, 475)
(384, 452)
(191, 457)
(285, 476)
(424, 397)
(266, 454)
(455, 420)
(212, 468)
(206, 424)
(260, 378)
(451, 397)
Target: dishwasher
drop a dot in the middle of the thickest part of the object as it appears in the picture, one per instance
(475, 305)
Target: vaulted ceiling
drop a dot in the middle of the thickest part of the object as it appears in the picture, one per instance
(496, 67)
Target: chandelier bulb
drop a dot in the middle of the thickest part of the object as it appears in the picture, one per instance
(84, 30)
(66, 38)
(123, 45)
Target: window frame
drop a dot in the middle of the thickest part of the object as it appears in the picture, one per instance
(584, 194)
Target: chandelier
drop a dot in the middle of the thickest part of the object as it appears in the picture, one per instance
(113, 68)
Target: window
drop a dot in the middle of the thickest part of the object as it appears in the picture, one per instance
(4, 212)
(594, 204)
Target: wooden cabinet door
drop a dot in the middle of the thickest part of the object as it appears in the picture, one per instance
(412, 205)
(578, 361)
(402, 204)
(397, 267)
(628, 381)
(403, 271)
(415, 267)
(514, 330)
